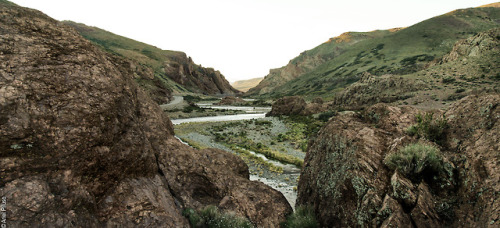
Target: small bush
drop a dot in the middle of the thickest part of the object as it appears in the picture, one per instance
(263, 123)
(325, 116)
(416, 160)
(429, 128)
(448, 80)
(303, 217)
(210, 217)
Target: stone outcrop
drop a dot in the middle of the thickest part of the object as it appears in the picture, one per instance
(230, 100)
(288, 106)
(296, 105)
(198, 79)
(278, 77)
(474, 46)
(145, 78)
(81, 145)
(345, 180)
(371, 89)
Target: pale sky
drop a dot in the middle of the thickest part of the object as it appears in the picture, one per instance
(243, 38)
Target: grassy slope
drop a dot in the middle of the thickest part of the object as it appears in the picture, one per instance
(310, 59)
(145, 54)
(5, 2)
(402, 52)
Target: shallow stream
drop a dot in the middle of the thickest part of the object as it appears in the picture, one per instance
(253, 113)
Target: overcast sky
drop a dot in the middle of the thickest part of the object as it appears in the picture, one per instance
(243, 38)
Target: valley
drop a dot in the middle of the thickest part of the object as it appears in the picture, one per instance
(388, 128)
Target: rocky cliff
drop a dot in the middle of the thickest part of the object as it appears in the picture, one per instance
(351, 179)
(81, 145)
(197, 78)
(173, 68)
(296, 106)
(278, 77)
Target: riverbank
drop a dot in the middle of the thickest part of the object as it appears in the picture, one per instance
(264, 133)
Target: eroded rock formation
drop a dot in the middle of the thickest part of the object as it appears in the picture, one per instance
(346, 181)
(230, 100)
(81, 145)
(296, 105)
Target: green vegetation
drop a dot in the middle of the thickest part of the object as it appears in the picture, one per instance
(416, 160)
(303, 217)
(211, 217)
(5, 2)
(399, 52)
(325, 116)
(246, 154)
(302, 128)
(429, 128)
(240, 140)
(194, 99)
(191, 108)
(145, 54)
(193, 143)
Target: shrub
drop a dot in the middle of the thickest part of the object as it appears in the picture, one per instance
(210, 217)
(325, 116)
(448, 80)
(429, 128)
(303, 217)
(416, 160)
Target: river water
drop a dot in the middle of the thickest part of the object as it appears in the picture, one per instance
(252, 113)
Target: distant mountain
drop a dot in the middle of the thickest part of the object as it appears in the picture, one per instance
(331, 67)
(309, 60)
(175, 69)
(245, 85)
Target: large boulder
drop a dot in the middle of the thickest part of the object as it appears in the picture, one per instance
(296, 105)
(81, 145)
(348, 184)
(230, 100)
(288, 106)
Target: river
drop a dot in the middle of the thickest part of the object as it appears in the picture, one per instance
(253, 113)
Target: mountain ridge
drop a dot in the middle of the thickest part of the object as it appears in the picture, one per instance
(401, 52)
(173, 68)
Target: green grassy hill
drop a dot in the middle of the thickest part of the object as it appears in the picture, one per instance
(401, 52)
(175, 69)
(309, 60)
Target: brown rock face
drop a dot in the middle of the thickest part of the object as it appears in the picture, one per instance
(344, 177)
(288, 106)
(370, 90)
(231, 101)
(198, 79)
(81, 145)
(296, 106)
(278, 77)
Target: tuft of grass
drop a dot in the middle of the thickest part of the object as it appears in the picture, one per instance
(433, 129)
(211, 217)
(303, 217)
(244, 153)
(416, 160)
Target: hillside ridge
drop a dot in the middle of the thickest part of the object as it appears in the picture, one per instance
(400, 52)
(174, 68)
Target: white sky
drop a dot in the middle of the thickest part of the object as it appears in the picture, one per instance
(243, 38)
